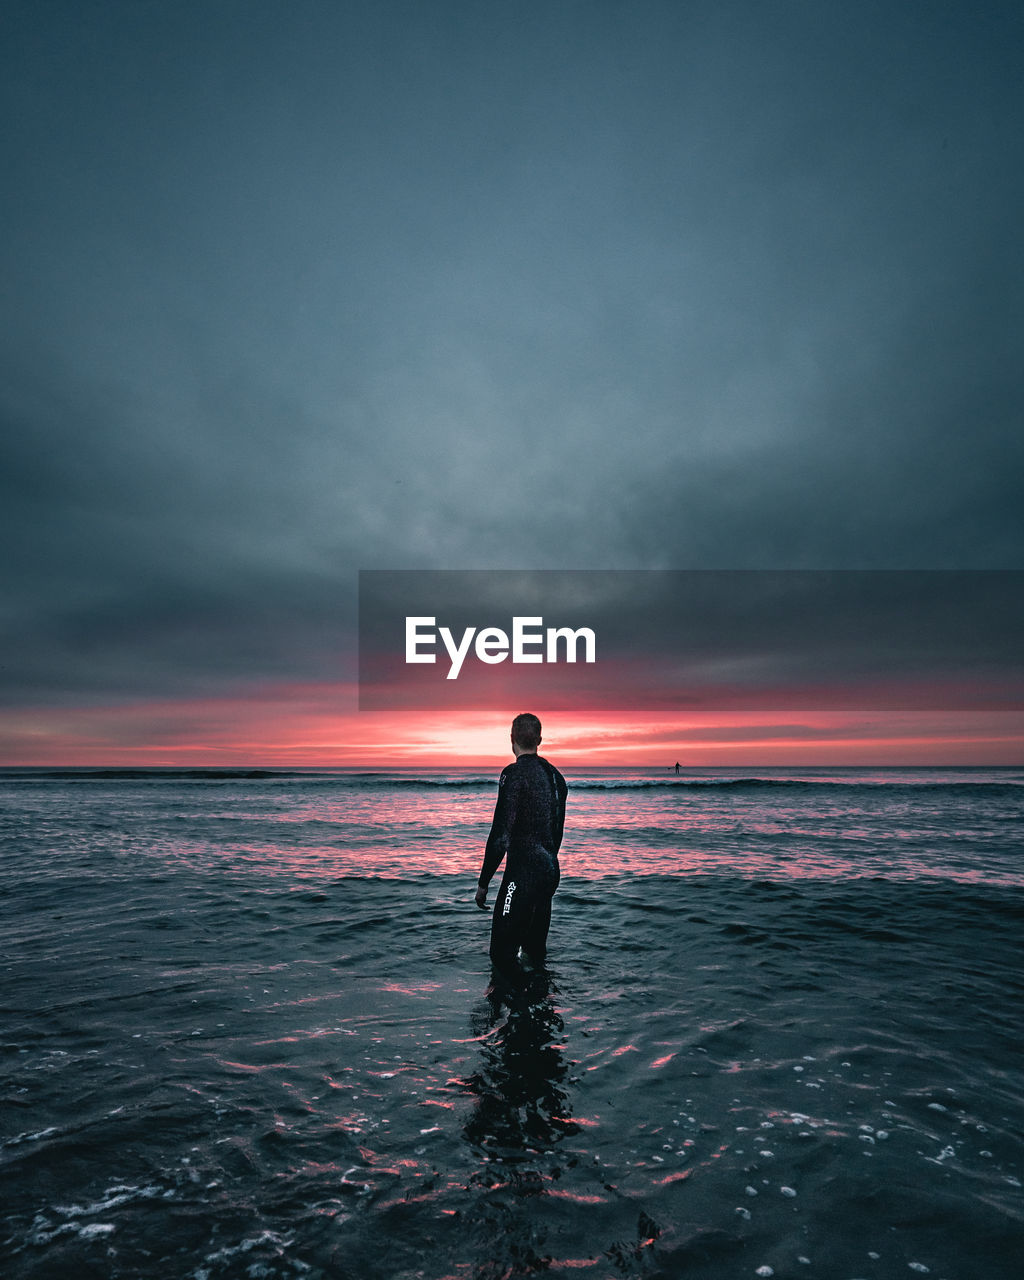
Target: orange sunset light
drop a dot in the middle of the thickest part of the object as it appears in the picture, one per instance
(318, 726)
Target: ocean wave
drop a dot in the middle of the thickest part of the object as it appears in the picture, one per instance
(381, 780)
(149, 775)
(697, 785)
(798, 784)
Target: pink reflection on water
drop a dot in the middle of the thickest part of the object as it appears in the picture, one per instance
(411, 823)
(575, 1197)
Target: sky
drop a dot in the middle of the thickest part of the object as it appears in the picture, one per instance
(298, 290)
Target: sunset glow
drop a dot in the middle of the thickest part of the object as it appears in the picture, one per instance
(317, 726)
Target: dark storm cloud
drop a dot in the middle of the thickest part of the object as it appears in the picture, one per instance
(297, 290)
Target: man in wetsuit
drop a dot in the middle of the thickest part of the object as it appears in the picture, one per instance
(527, 832)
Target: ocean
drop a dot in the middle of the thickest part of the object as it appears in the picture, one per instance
(249, 1028)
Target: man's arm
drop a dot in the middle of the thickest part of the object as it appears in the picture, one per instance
(561, 791)
(501, 831)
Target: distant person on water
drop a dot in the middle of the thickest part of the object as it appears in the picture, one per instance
(677, 767)
(527, 832)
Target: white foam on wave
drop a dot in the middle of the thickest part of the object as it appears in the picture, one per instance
(277, 1242)
(29, 1137)
(43, 1231)
(114, 1196)
(95, 1229)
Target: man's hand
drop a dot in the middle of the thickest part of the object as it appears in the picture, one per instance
(481, 897)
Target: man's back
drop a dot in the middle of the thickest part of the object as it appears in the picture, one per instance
(530, 810)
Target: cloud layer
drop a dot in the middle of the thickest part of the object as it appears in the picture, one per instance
(300, 290)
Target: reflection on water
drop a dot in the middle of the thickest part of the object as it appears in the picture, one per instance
(522, 1103)
(526, 1195)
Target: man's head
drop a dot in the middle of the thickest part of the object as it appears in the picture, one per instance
(525, 733)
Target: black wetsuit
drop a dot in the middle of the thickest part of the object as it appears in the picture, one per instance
(527, 831)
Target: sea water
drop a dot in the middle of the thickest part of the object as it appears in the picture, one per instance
(249, 1028)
